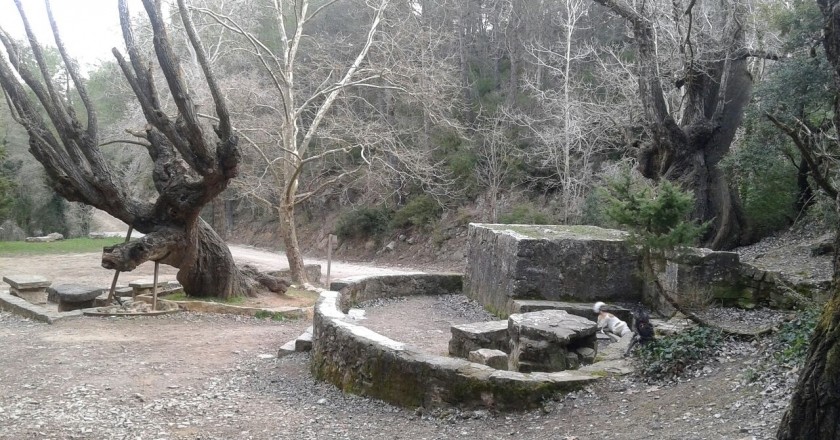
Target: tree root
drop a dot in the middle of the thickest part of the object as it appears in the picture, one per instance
(272, 283)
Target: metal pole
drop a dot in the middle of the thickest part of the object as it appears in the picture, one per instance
(116, 272)
(154, 288)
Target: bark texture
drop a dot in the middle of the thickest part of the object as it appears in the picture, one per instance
(814, 410)
(687, 144)
(189, 168)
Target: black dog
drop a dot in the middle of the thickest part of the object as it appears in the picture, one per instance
(644, 332)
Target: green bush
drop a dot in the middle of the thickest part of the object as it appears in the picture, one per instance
(418, 212)
(669, 357)
(657, 217)
(364, 222)
(525, 214)
(791, 343)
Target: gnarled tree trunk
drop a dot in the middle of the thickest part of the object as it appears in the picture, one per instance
(687, 144)
(814, 410)
(189, 170)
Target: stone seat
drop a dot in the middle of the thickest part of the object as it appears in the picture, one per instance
(574, 308)
(29, 287)
(144, 286)
(471, 337)
(73, 296)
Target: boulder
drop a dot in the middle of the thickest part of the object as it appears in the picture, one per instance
(55, 236)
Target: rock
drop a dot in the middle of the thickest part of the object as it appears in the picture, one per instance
(55, 236)
(579, 309)
(410, 240)
(391, 246)
(10, 231)
(304, 341)
(825, 247)
(587, 354)
(402, 237)
(492, 358)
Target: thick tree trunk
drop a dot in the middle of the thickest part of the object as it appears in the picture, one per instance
(814, 410)
(687, 146)
(290, 241)
(206, 266)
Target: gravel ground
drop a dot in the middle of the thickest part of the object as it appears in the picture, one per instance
(193, 376)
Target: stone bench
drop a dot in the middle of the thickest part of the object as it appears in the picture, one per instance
(144, 286)
(73, 296)
(471, 337)
(29, 287)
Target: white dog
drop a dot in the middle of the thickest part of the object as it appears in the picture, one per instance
(609, 323)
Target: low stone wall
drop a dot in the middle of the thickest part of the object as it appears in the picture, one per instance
(360, 361)
(313, 273)
(356, 290)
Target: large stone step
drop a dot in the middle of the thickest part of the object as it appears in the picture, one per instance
(470, 337)
(300, 344)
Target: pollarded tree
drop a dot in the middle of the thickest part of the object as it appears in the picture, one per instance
(689, 135)
(189, 170)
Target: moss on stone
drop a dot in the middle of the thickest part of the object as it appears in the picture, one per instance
(558, 231)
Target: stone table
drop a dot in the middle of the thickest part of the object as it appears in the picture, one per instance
(550, 340)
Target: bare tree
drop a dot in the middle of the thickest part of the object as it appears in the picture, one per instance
(189, 168)
(319, 116)
(690, 134)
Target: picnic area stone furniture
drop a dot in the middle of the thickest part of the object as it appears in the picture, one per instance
(29, 287)
(144, 286)
(475, 336)
(550, 340)
(73, 296)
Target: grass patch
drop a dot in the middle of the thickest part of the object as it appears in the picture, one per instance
(274, 316)
(69, 246)
(308, 295)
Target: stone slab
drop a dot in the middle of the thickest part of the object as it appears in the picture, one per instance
(146, 283)
(24, 282)
(72, 293)
(471, 337)
(24, 308)
(579, 309)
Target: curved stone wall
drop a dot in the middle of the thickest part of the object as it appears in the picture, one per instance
(361, 361)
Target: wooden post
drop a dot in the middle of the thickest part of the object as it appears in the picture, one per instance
(154, 287)
(329, 257)
(116, 272)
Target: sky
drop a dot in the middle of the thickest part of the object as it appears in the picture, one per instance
(89, 28)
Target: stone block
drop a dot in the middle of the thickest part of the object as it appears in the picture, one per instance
(304, 341)
(471, 337)
(548, 340)
(512, 262)
(492, 358)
